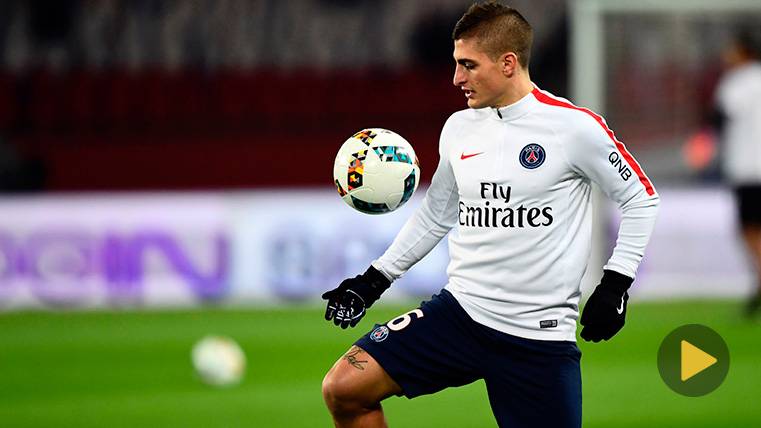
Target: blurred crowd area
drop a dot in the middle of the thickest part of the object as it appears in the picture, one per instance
(188, 94)
(240, 34)
(152, 94)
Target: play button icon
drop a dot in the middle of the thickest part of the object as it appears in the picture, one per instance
(693, 360)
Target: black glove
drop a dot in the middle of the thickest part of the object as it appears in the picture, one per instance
(605, 311)
(347, 303)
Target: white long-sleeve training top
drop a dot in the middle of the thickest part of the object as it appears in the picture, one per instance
(515, 184)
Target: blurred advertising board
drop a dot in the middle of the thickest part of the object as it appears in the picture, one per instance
(272, 246)
(695, 249)
(175, 249)
(101, 249)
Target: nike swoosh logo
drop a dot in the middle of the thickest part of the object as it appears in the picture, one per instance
(463, 156)
(620, 309)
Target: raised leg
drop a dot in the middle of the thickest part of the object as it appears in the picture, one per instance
(354, 388)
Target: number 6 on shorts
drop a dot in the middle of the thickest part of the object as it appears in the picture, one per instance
(404, 320)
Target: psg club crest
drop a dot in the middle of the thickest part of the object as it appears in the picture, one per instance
(379, 334)
(532, 156)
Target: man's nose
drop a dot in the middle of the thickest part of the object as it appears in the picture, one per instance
(459, 76)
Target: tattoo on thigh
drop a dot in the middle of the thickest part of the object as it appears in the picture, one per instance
(354, 358)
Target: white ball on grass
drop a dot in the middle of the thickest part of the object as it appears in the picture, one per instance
(218, 361)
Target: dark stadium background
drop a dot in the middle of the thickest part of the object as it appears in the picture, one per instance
(93, 118)
(109, 99)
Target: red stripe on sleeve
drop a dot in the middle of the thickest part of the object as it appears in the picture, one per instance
(546, 99)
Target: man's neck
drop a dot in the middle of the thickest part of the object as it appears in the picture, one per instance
(516, 91)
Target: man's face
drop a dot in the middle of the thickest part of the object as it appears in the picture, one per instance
(478, 76)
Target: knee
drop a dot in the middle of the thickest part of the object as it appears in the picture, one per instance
(340, 395)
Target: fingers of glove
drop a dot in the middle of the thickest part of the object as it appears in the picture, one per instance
(348, 316)
(585, 334)
(597, 312)
(359, 313)
(345, 311)
(590, 334)
(596, 334)
(341, 309)
(345, 323)
(344, 317)
(355, 320)
(330, 310)
(339, 315)
(604, 335)
(612, 330)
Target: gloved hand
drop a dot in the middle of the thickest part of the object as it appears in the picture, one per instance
(348, 302)
(605, 311)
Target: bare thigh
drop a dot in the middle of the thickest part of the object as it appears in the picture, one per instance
(358, 377)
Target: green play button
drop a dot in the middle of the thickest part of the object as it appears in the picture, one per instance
(693, 360)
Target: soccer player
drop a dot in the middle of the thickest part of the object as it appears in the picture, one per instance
(738, 100)
(513, 184)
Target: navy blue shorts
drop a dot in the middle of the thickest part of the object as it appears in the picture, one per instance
(530, 383)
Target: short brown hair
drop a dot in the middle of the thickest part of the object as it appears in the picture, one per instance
(498, 29)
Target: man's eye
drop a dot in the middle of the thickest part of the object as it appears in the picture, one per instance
(469, 66)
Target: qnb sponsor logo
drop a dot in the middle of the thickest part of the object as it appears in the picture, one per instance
(621, 166)
(496, 211)
(69, 266)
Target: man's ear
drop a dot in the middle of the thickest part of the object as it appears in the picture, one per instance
(509, 63)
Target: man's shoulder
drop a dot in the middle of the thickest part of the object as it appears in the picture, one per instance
(464, 116)
(562, 107)
(567, 117)
(459, 120)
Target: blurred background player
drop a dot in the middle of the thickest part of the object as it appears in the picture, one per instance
(514, 175)
(738, 120)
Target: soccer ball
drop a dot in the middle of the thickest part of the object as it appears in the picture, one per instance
(218, 361)
(376, 171)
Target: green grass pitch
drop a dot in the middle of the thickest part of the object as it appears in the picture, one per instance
(132, 369)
